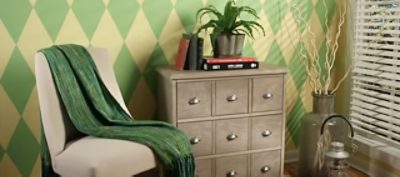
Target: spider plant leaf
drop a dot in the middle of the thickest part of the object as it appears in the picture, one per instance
(209, 24)
(208, 10)
(229, 15)
(229, 6)
(246, 26)
(249, 10)
(242, 31)
(249, 29)
(258, 27)
(251, 24)
(233, 17)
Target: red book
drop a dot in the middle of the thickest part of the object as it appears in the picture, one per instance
(181, 55)
(230, 60)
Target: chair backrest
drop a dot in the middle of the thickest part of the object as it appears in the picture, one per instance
(57, 126)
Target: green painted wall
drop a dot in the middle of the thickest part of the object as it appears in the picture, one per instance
(140, 35)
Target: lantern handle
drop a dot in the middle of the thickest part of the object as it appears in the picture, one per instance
(337, 116)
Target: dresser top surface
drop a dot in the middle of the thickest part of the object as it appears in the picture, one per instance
(171, 73)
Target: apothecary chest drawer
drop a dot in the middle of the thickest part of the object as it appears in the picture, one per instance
(193, 99)
(232, 166)
(266, 164)
(231, 96)
(231, 135)
(266, 131)
(267, 93)
(200, 136)
(261, 164)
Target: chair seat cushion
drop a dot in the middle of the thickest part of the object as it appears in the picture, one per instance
(100, 157)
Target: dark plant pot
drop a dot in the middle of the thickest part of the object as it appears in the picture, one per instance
(229, 45)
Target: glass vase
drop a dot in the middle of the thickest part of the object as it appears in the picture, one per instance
(323, 107)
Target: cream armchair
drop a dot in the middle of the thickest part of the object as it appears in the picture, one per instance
(77, 155)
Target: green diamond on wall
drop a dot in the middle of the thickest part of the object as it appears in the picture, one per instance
(14, 14)
(275, 56)
(255, 4)
(18, 80)
(123, 13)
(217, 3)
(88, 13)
(186, 11)
(157, 13)
(275, 10)
(126, 72)
(23, 149)
(248, 50)
(296, 67)
(294, 122)
(157, 59)
(325, 8)
(52, 14)
(301, 11)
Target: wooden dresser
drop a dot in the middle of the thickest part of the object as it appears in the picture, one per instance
(235, 120)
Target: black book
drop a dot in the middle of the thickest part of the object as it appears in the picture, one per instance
(191, 57)
(229, 66)
(200, 42)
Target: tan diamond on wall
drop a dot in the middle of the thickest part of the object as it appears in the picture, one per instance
(170, 36)
(142, 103)
(107, 36)
(33, 37)
(31, 115)
(8, 168)
(71, 32)
(141, 40)
(9, 118)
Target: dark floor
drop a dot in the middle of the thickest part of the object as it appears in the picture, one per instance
(291, 171)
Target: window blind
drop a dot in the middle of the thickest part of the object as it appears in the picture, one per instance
(375, 97)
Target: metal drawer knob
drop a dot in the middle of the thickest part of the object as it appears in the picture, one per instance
(265, 169)
(195, 140)
(266, 133)
(268, 95)
(231, 173)
(194, 100)
(231, 98)
(231, 137)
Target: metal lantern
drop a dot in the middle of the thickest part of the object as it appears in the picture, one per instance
(336, 160)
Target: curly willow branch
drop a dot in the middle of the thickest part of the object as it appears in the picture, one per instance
(312, 63)
(308, 62)
(331, 61)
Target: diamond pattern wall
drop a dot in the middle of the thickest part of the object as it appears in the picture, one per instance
(123, 13)
(14, 15)
(140, 36)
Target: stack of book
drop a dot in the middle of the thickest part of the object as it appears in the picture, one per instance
(190, 57)
(190, 53)
(211, 64)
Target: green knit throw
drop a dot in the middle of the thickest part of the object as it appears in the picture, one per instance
(94, 111)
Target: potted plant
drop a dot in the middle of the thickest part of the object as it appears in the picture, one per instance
(228, 30)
